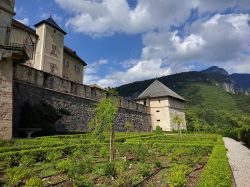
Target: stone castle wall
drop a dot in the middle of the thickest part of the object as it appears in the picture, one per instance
(33, 86)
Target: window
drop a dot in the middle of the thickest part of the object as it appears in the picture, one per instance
(66, 63)
(52, 68)
(54, 30)
(157, 110)
(144, 102)
(53, 49)
(159, 101)
(158, 120)
(77, 68)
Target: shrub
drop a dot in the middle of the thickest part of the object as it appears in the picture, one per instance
(158, 130)
(82, 181)
(129, 126)
(121, 166)
(244, 135)
(34, 182)
(144, 169)
(141, 152)
(80, 167)
(217, 171)
(177, 175)
(104, 151)
(16, 174)
(110, 170)
(157, 163)
(64, 165)
(53, 156)
(27, 160)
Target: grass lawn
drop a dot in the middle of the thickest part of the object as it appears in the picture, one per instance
(142, 159)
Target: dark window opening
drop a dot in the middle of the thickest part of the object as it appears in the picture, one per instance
(158, 120)
(144, 102)
(157, 110)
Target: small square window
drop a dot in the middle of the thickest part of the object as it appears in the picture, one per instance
(77, 68)
(66, 63)
(158, 120)
(53, 49)
(52, 68)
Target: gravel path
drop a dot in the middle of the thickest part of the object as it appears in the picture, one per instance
(239, 159)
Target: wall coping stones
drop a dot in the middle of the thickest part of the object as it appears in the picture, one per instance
(43, 80)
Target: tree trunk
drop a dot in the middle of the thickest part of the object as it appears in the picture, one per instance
(112, 144)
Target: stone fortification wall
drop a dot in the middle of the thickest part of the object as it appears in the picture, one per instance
(33, 86)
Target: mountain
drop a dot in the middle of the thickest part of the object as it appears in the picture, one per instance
(242, 81)
(215, 70)
(214, 104)
(234, 84)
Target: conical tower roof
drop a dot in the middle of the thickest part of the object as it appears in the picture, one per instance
(157, 89)
(52, 23)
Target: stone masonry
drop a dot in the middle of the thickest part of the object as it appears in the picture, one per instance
(6, 74)
(33, 86)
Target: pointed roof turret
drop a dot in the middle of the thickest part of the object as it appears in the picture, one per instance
(157, 89)
(52, 23)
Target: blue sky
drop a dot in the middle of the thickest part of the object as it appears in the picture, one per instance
(126, 41)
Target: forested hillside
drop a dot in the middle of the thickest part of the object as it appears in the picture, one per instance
(210, 106)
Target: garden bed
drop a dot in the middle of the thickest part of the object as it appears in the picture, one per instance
(142, 159)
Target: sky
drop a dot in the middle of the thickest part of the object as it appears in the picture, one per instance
(123, 41)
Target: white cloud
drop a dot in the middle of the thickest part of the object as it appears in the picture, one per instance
(105, 17)
(25, 21)
(109, 16)
(221, 40)
(91, 71)
(214, 38)
(142, 70)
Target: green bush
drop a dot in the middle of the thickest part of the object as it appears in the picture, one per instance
(244, 135)
(158, 130)
(27, 160)
(64, 165)
(141, 152)
(53, 156)
(82, 181)
(144, 169)
(217, 171)
(15, 175)
(34, 182)
(177, 175)
(110, 170)
(80, 167)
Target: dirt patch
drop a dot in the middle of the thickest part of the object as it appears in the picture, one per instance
(194, 177)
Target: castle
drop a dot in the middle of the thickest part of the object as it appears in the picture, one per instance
(46, 50)
(36, 66)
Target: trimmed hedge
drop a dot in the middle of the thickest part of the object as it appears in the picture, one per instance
(218, 171)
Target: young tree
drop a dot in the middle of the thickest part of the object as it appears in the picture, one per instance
(105, 113)
(129, 126)
(112, 91)
(178, 121)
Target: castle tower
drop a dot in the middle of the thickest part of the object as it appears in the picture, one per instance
(50, 46)
(6, 69)
(164, 105)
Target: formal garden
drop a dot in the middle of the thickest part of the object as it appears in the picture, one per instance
(141, 159)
